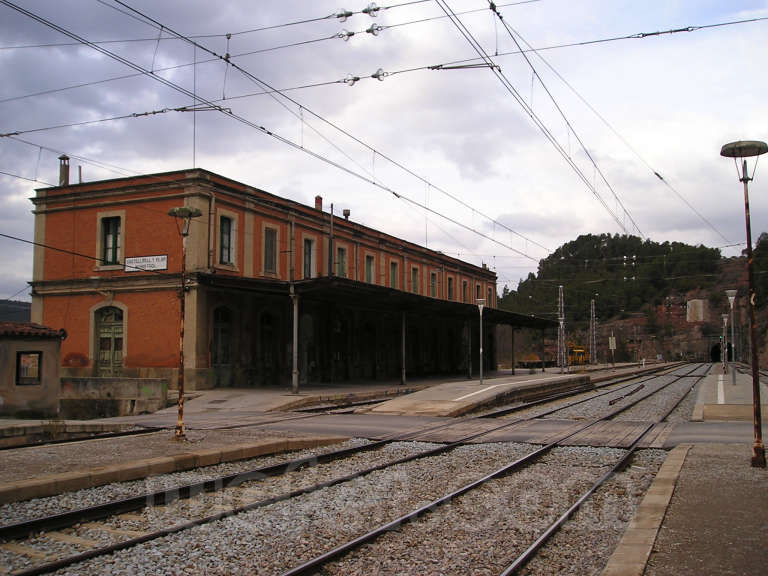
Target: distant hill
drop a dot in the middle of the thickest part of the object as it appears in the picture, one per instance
(641, 289)
(622, 273)
(14, 311)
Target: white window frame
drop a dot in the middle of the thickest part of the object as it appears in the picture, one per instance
(100, 217)
(341, 265)
(267, 226)
(369, 273)
(312, 256)
(233, 235)
(394, 277)
(415, 289)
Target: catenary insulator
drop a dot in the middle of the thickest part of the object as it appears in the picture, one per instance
(343, 14)
(374, 29)
(345, 35)
(380, 75)
(372, 10)
(351, 80)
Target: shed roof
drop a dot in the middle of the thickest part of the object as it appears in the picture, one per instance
(371, 296)
(28, 330)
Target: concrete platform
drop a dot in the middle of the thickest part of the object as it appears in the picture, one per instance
(460, 397)
(723, 397)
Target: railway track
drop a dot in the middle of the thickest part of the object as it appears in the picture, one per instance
(66, 528)
(80, 437)
(442, 503)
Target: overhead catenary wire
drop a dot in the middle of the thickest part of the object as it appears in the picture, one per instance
(528, 110)
(614, 131)
(250, 123)
(340, 15)
(304, 108)
(12, 175)
(568, 123)
(80, 254)
(101, 120)
(444, 66)
(670, 31)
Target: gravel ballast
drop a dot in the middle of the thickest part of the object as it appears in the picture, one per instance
(15, 512)
(482, 531)
(275, 537)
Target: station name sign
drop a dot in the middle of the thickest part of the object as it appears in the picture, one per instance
(146, 263)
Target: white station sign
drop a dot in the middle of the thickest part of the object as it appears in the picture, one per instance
(146, 263)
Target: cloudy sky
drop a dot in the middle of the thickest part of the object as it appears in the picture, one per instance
(510, 161)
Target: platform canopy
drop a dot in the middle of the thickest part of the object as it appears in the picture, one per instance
(347, 292)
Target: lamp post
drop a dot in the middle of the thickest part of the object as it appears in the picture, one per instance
(731, 294)
(724, 347)
(480, 306)
(183, 216)
(742, 150)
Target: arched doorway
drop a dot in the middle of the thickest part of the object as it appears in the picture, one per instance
(221, 346)
(109, 346)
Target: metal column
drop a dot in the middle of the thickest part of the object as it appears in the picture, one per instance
(402, 351)
(295, 350)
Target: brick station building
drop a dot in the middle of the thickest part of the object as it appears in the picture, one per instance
(367, 305)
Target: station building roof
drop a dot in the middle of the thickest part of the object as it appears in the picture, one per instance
(349, 292)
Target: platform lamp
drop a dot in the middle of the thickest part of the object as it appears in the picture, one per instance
(724, 345)
(183, 216)
(731, 294)
(480, 306)
(742, 150)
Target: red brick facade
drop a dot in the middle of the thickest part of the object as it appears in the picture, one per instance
(123, 320)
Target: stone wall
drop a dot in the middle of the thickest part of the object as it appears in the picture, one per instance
(87, 398)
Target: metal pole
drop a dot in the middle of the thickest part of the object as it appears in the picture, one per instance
(724, 347)
(179, 433)
(469, 350)
(330, 246)
(733, 348)
(183, 217)
(758, 450)
(733, 337)
(402, 351)
(481, 345)
(295, 350)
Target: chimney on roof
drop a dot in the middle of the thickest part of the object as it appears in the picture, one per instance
(63, 170)
(346, 213)
(319, 203)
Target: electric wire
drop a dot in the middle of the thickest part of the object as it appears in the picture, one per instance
(249, 123)
(206, 36)
(14, 294)
(100, 120)
(528, 110)
(370, 148)
(535, 50)
(447, 65)
(80, 254)
(615, 132)
(12, 175)
(568, 123)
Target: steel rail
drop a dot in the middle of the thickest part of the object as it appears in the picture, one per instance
(342, 549)
(167, 496)
(85, 436)
(633, 379)
(529, 553)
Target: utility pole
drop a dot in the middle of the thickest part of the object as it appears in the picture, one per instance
(592, 334)
(183, 216)
(562, 356)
